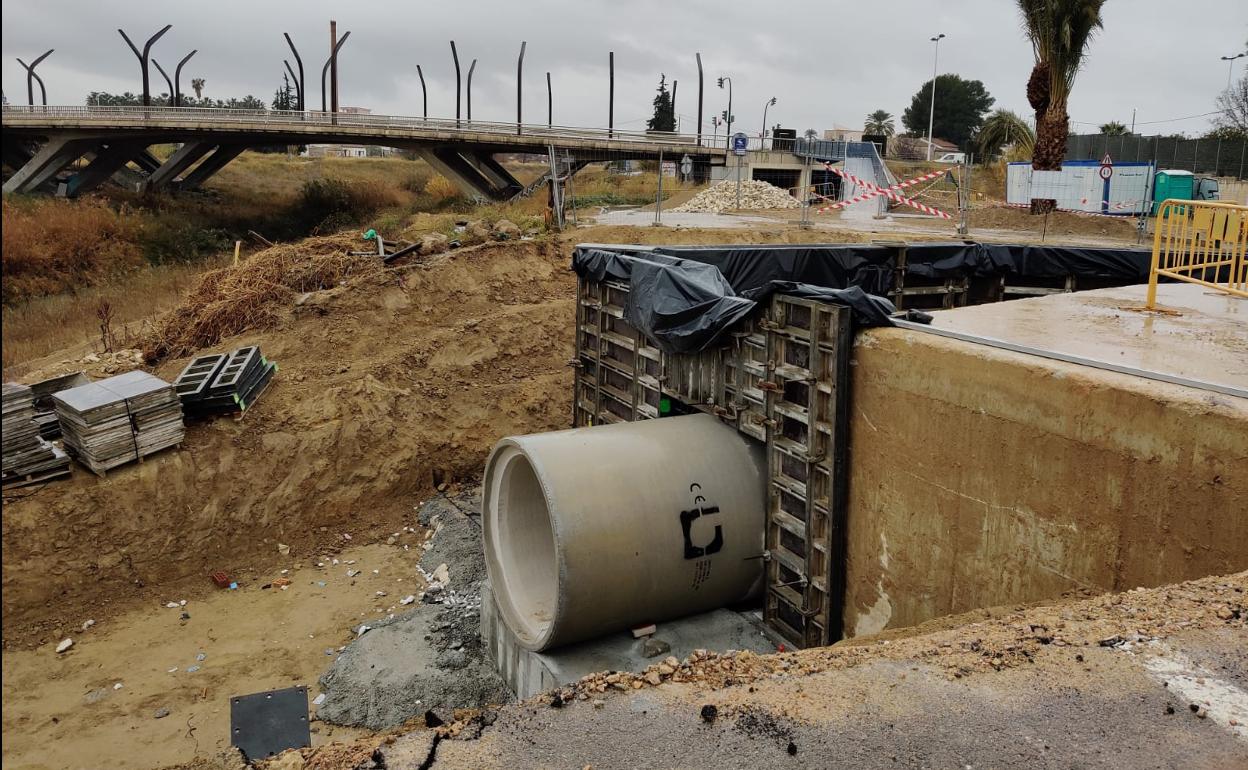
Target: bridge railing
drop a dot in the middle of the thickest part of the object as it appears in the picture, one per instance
(163, 116)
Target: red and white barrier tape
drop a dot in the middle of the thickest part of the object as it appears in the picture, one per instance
(874, 190)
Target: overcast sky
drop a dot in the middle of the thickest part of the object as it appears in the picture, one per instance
(826, 63)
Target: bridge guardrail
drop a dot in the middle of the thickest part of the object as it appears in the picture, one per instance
(269, 118)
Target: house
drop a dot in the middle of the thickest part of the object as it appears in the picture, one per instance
(336, 151)
(839, 133)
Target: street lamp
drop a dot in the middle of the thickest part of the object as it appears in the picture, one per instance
(728, 116)
(931, 116)
(1231, 66)
(770, 102)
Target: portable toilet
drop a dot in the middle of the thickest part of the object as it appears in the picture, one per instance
(1172, 184)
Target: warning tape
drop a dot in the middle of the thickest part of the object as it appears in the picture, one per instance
(874, 190)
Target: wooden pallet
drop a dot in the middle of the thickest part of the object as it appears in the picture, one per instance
(16, 481)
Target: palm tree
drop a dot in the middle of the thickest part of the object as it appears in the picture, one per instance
(811, 134)
(1004, 128)
(1113, 128)
(1060, 32)
(198, 85)
(879, 123)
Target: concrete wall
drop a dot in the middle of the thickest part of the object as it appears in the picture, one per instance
(982, 477)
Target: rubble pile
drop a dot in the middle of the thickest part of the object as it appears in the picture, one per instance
(754, 195)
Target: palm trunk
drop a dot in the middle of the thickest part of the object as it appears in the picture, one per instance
(1052, 128)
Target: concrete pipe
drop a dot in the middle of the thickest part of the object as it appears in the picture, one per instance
(594, 530)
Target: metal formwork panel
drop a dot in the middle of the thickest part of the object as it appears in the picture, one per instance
(780, 380)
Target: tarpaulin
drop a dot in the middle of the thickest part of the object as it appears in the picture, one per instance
(684, 306)
(683, 298)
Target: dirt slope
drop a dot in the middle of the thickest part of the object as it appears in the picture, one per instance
(391, 382)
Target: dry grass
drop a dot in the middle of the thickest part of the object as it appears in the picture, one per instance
(41, 326)
(52, 245)
(245, 296)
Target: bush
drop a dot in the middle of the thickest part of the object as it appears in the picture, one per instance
(441, 189)
(325, 205)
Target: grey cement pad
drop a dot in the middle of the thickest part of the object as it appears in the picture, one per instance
(529, 673)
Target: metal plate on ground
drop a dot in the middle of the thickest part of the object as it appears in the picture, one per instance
(267, 723)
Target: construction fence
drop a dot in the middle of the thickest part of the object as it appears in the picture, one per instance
(1215, 157)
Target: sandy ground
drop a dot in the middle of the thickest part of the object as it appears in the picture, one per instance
(65, 711)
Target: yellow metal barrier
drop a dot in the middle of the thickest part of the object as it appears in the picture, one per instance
(1202, 242)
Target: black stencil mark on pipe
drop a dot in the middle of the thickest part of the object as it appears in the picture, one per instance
(686, 524)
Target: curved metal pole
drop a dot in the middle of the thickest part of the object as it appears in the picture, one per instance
(143, 57)
(31, 76)
(177, 77)
(550, 104)
(424, 93)
(611, 94)
(699, 58)
(519, 88)
(325, 70)
(168, 82)
(455, 56)
(471, 67)
(298, 90)
(675, 82)
(299, 61)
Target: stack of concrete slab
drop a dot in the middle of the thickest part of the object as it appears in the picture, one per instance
(27, 457)
(223, 383)
(120, 419)
(45, 410)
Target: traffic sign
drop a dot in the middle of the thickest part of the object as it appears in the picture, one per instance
(740, 143)
(686, 165)
(1107, 161)
(1106, 172)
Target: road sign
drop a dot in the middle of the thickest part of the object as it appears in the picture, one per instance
(1106, 172)
(1107, 161)
(686, 165)
(740, 143)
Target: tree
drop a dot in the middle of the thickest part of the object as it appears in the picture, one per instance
(128, 99)
(879, 123)
(1233, 102)
(1002, 129)
(810, 134)
(664, 113)
(1060, 32)
(960, 108)
(284, 96)
(197, 85)
(1113, 128)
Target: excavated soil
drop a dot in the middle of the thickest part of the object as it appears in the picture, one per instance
(391, 382)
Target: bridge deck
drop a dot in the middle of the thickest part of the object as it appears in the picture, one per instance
(176, 124)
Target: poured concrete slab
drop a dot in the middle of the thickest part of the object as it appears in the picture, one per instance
(1203, 337)
(529, 673)
(983, 477)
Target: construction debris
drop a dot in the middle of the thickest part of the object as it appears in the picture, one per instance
(224, 383)
(754, 195)
(120, 419)
(28, 457)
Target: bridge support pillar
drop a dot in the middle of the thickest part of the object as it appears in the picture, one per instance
(49, 161)
(476, 174)
(177, 164)
(107, 161)
(211, 165)
(146, 161)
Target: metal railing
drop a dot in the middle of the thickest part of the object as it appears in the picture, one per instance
(269, 119)
(1200, 242)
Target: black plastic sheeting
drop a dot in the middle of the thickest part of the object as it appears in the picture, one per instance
(684, 298)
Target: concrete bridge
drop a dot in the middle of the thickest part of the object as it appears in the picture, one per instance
(45, 144)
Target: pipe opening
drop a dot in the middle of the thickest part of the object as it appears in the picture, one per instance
(525, 550)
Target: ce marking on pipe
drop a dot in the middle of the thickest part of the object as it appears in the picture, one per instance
(686, 525)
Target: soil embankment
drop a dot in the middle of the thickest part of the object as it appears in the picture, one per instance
(392, 381)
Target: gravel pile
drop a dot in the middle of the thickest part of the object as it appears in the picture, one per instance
(754, 195)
